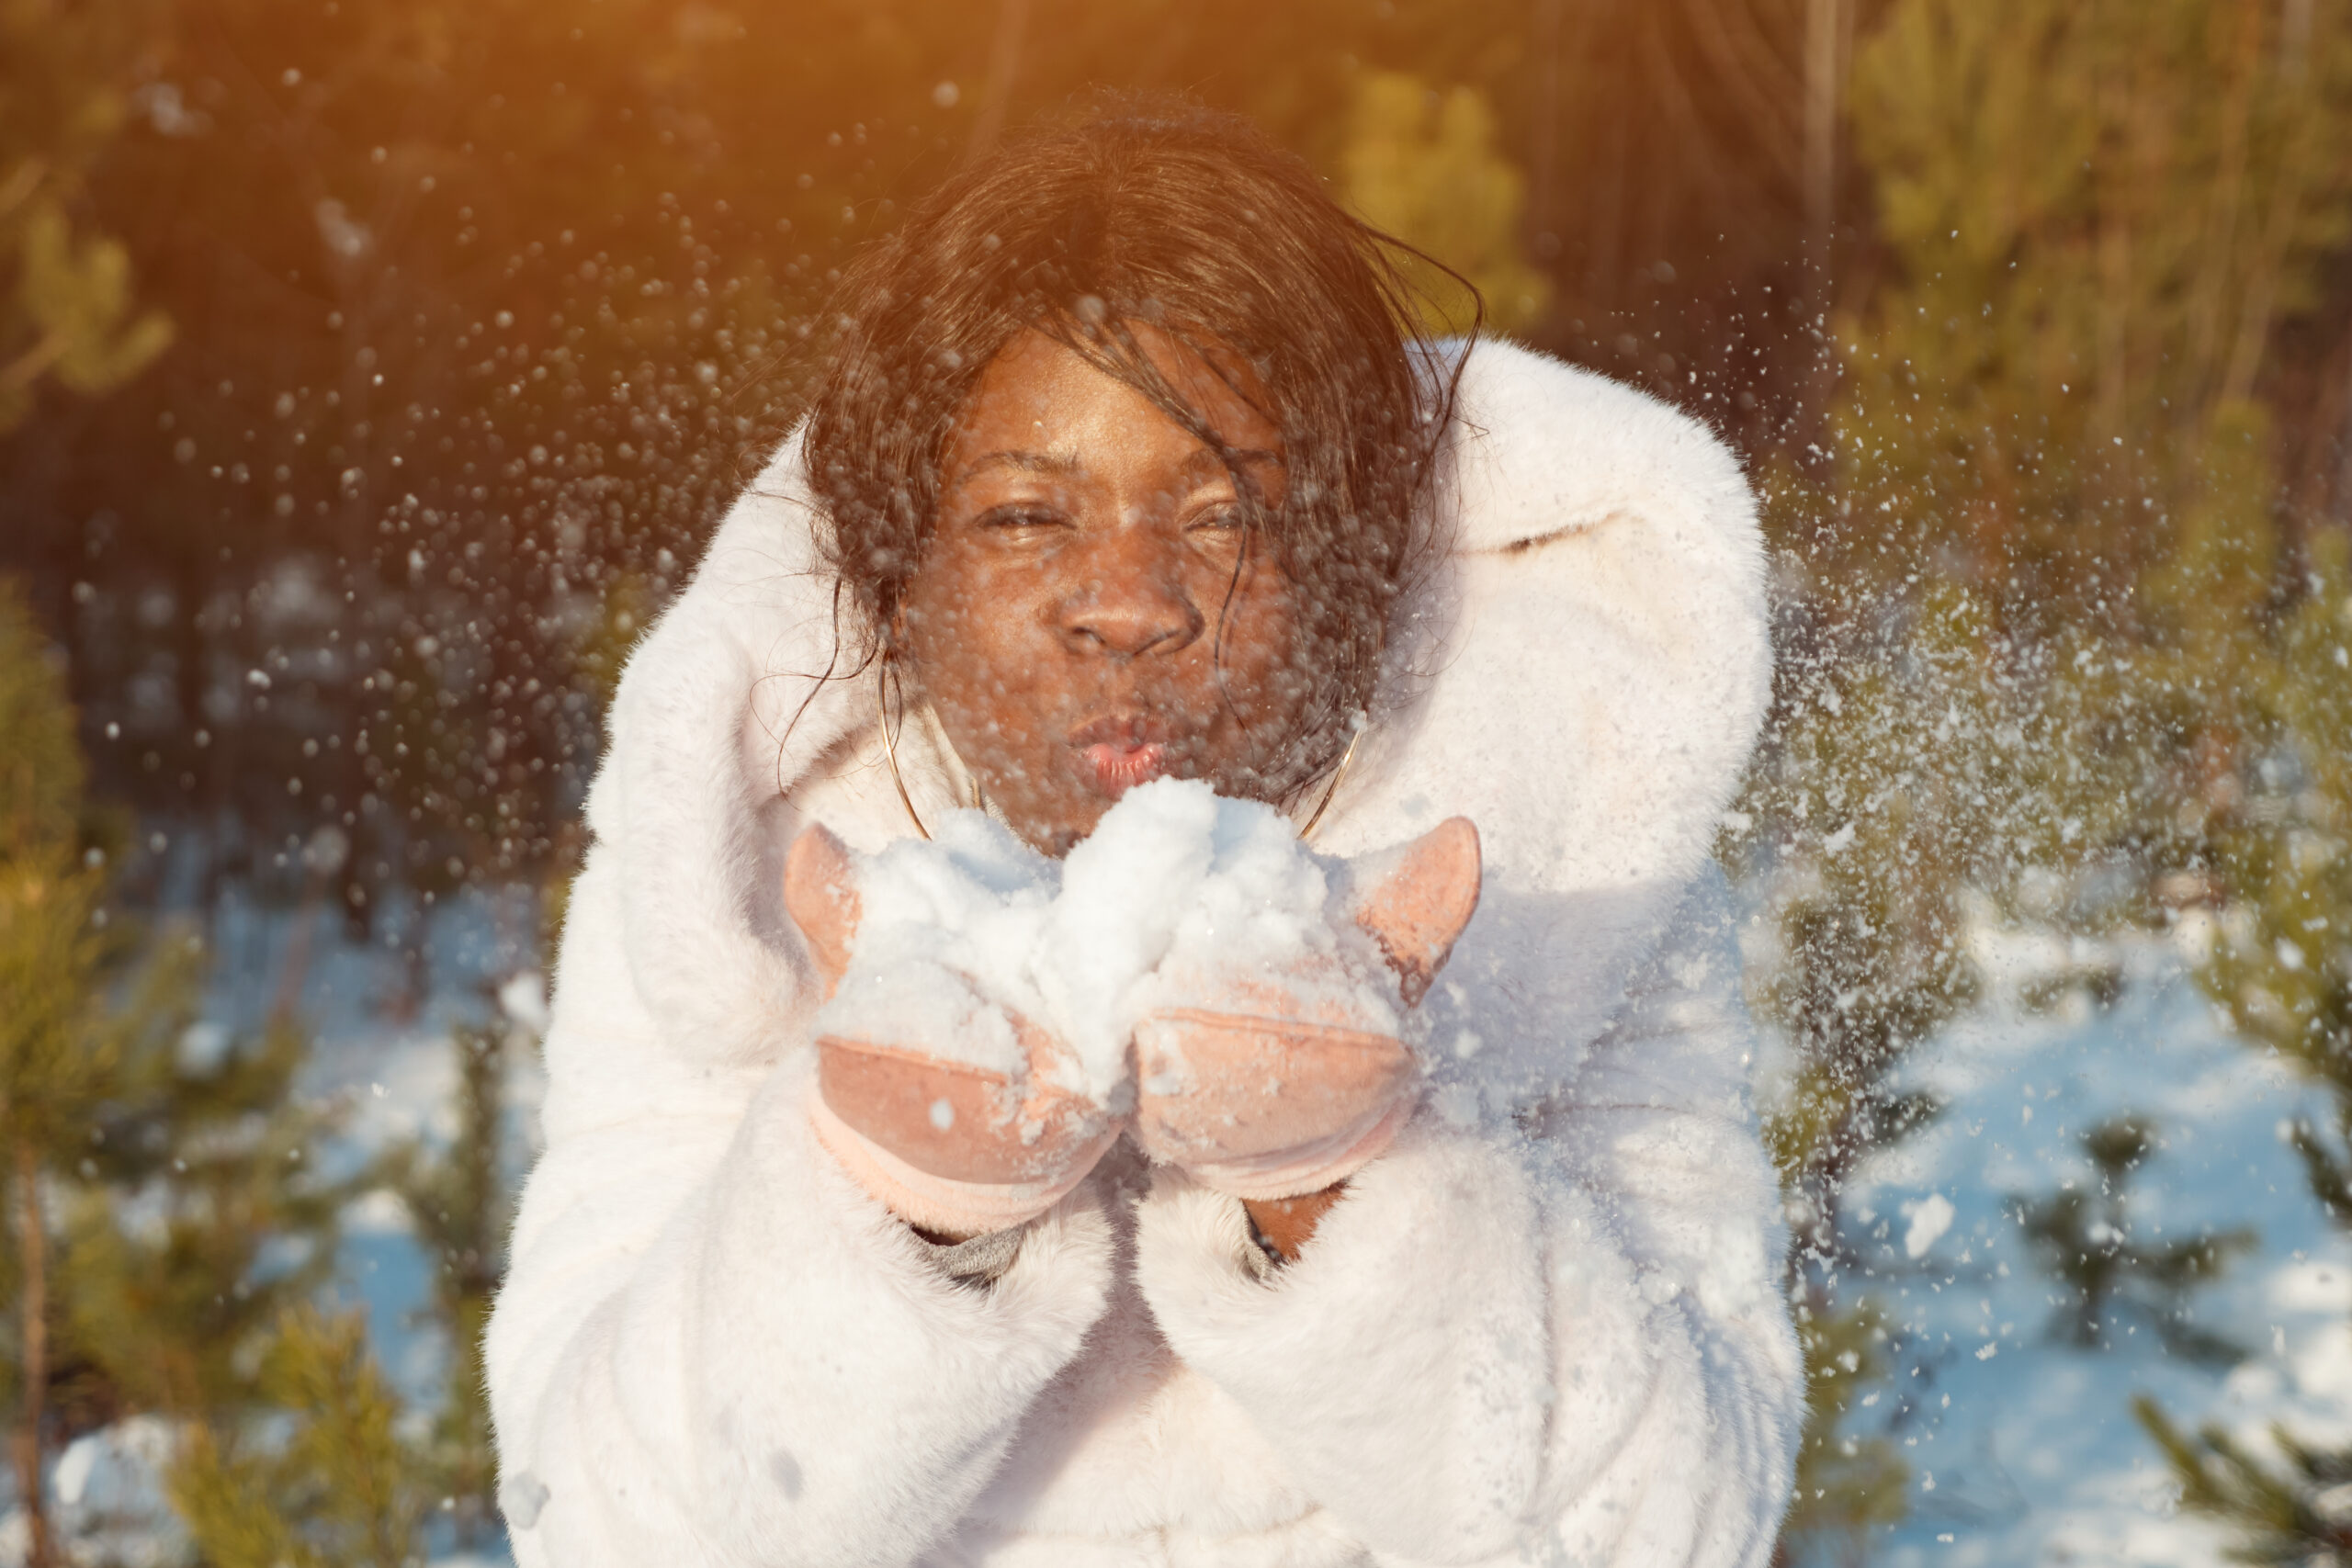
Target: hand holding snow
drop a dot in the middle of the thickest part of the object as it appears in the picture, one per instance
(1175, 883)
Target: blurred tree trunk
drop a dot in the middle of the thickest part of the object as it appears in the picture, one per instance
(1827, 40)
(32, 1351)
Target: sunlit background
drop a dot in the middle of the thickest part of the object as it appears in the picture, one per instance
(369, 374)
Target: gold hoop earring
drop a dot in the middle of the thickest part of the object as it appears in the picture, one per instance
(890, 749)
(1332, 788)
(890, 743)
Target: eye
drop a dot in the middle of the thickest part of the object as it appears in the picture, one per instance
(1020, 519)
(1224, 518)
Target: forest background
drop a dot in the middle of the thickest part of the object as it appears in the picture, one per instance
(370, 373)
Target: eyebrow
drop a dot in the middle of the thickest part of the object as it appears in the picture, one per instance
(1244, 455)
(1027, 462)
(1064, 464)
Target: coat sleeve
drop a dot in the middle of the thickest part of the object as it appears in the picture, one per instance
(712, 1348)
(1562, 1342)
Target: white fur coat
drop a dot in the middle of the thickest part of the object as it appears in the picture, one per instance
(1546, 1328)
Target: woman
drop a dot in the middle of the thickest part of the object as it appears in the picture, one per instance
(1127, 469)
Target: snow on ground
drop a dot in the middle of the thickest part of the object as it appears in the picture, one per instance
(2036, 1457)
(397, 1076)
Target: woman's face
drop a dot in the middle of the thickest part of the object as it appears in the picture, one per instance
(1089, 611)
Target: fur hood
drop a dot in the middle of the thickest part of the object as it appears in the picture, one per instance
(1582, 676)
(1545, 1326)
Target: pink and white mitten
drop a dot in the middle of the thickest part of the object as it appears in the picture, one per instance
(1266, 1083)
(948, 1145)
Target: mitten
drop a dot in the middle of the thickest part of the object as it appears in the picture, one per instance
(948, 1145)
(1266, 1083)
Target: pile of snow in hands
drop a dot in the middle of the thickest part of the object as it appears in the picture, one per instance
(1177, 886)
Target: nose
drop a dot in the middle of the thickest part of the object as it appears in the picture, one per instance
(1129, 598)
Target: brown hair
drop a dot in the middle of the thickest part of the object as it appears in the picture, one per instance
(1194, 223)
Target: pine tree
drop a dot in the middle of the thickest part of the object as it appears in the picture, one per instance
(2038, 561)
(67, 309)
(167, 1226)
(2281, 966)
(2087, 1242)
(1848, 1483)
(311, 1461)
(1423, 166)
(1863, 849)
(2099, 216)
(55, 1062)
(461, 1203)
(336, 1489)
(2294, 1512)
(235, 1224)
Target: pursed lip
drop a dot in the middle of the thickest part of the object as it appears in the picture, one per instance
(1121, 751)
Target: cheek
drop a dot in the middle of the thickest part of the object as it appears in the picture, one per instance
(1261, 629)
(956, 613)
(970, 638)
(1256, 677)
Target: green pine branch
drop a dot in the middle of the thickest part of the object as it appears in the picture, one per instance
(334, 1488)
